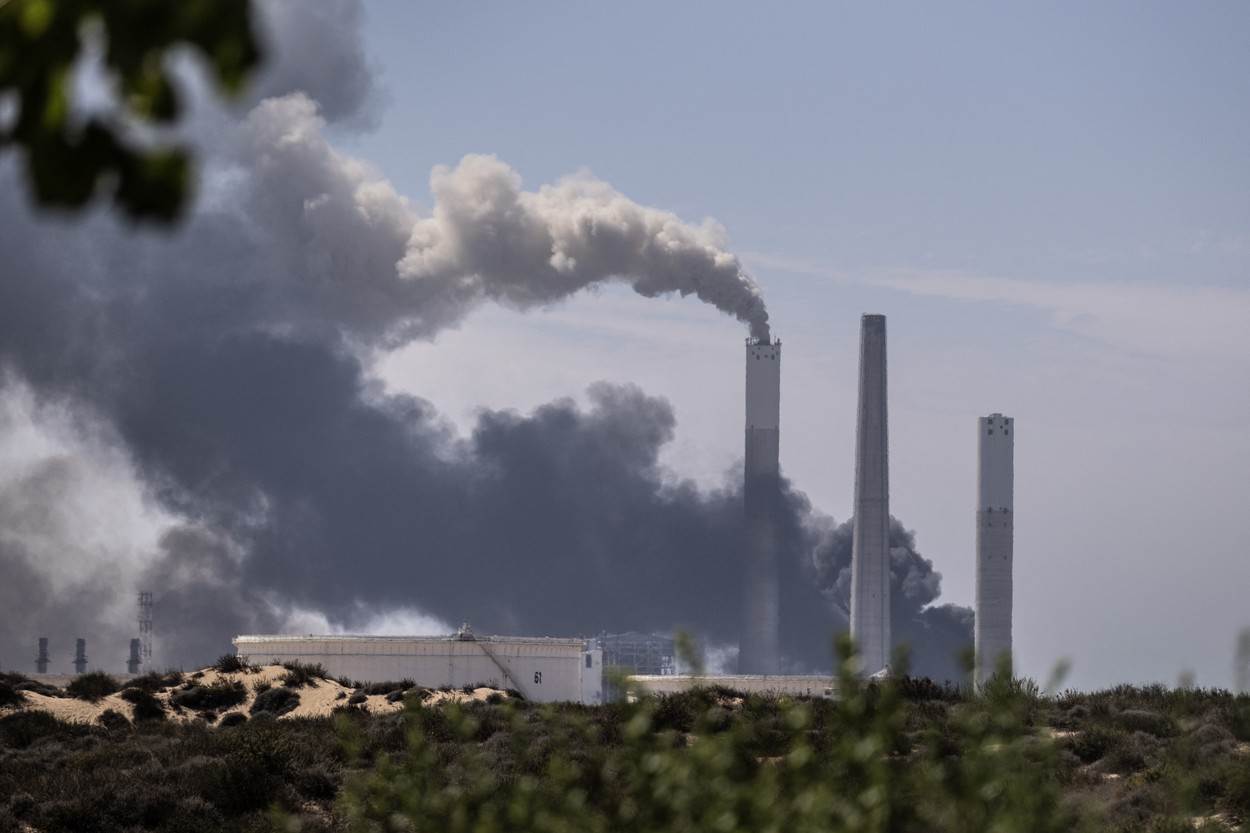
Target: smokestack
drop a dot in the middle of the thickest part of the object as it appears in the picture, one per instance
(995, 476)
(80, 655)
(41, 661)
(870, 550)
(759, 647)
(132, 664)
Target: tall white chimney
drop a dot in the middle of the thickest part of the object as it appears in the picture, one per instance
(759, 646)
(995, 527)
(870, 549)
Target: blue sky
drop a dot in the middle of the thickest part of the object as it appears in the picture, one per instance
(1051, 204)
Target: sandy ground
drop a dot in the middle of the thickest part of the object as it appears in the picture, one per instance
(317, 699)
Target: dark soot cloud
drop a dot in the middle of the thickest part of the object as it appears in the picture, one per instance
(232, 361)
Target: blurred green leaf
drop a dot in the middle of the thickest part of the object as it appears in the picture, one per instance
(71, 160)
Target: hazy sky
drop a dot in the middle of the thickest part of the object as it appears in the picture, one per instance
(1051, 205)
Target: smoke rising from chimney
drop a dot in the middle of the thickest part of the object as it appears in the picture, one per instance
(218, 385)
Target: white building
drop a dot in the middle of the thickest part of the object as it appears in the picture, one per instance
(995, 529)
(543, 669)
(806, 686)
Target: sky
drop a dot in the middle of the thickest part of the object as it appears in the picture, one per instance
(1050, 204)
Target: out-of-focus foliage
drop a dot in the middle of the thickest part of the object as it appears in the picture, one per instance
(852, 764)
(905, 755)
(69, 158)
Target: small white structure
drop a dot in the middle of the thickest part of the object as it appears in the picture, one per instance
(543, 669)
(806, 685)
(995, 529)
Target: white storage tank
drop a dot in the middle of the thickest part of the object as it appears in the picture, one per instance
(542, 669)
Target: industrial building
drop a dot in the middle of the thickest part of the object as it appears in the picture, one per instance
(995, 528)
(542, 669)
(638, 653)
(813, 685)
(759, 645)
(870, 550)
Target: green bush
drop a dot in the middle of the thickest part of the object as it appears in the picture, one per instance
(548, 768)
(222, 694)
(300, 674)
(154, 681)
(111, 719)
(146, 705)
(233, 664)
(23, 728)
(1141, 720)
(232, 719)
(10, 696)
(92, 686)
(1094, 743)
(276, 701)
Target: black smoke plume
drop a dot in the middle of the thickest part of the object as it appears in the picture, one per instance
(221, 377)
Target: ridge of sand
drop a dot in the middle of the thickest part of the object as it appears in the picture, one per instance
(317, 699)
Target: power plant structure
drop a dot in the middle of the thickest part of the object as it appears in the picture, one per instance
(995, 528)
(638, 653)
(145, 626)
(759, 645)
(547, 669)
(133, 663)
(870, 549)
(80, 656)
(542, 669)
(41, 659)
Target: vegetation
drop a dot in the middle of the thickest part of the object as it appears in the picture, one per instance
(899, 756)
(92, 686)
(146, 705)
(221, 694)
(233, 664)
(276, 701)
(9, 694)
(155, 681)
(70, 155)
(300, 674)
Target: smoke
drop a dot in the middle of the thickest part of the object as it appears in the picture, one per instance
(489, 239)
(358, 259)
(939, 635)
(208, 426)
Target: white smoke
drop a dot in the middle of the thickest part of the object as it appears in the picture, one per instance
(488, 238)
(366, 262)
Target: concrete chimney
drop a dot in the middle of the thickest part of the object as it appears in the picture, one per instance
(995, 525)
(759, 647)
(80, 656)
(870, 552)
(132, 664)
(41, 661)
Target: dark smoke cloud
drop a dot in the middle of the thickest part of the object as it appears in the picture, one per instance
(221, 378)
(938, 634)
(317, 49)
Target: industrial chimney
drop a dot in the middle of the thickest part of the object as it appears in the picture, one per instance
(41, 661)
(132, 664)
(80, 655)
(995, 525)
(759, 647)
(870, 549)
